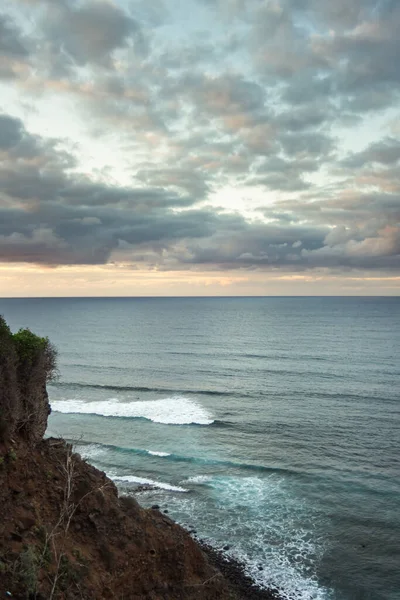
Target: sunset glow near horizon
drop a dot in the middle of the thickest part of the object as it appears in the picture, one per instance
(212, 147)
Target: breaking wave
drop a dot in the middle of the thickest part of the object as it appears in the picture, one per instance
(176, 410)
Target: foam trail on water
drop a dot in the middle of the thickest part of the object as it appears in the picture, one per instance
(157, 453)
(199, 479)
(92, 451)
(176, 410)
(145, 481)
(250, 514)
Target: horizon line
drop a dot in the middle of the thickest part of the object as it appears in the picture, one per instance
(197, 297)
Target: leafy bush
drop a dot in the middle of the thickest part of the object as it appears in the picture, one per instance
(31, 350)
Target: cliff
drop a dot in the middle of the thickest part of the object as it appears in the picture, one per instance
(64, 532)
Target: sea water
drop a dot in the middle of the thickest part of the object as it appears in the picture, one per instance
(270, 426)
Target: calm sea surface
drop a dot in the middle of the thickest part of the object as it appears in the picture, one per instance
(271, 425)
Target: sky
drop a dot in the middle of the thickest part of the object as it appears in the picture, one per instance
(199, 147)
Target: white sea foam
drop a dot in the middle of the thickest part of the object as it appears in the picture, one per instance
(199, 479)
(91, 451)
(176, 410)
(157, 453)
(264, 526)
(144, 481)
(278, 570)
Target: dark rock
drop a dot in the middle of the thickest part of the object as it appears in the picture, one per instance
(155, 507)
(234, 571)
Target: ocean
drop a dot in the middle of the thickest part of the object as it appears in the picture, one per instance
(269, 426)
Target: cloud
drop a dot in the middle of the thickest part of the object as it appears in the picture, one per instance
(385, 152)
(91, 32)
(177, 108)
(11, 40)
(10, 131)
(14, 50)
(50, 214)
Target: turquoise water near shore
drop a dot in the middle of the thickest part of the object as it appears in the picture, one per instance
(271, 425)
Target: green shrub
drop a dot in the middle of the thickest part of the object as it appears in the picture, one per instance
(28, 345)
(35, 351)
(28, 569)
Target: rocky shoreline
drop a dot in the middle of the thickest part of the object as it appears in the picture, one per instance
(232, 569)
(235, 572)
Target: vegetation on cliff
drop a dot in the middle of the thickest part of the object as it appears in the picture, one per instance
(27, 363)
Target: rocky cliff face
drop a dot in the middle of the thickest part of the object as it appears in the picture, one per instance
(64, 532)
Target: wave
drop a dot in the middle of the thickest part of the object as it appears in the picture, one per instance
(140, 388)
(88, 450)
(158, 453)
(176, 410)
(145, 481)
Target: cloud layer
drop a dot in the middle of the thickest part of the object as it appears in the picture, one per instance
(129, 131)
